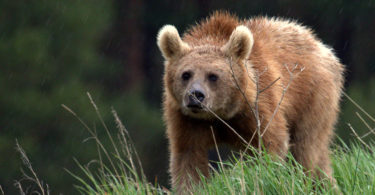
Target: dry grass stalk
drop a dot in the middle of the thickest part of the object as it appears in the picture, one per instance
(106, 129)
(359, 107)
(291, 77)
(359, 138)
(127, 143)
(34, 178)
(19, 187)
(127, 148)
(94, 135)
(371, 131)
(221, 161)
(217, 148)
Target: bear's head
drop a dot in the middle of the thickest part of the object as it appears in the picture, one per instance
(206, 78)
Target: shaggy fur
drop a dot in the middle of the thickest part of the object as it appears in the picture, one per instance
(222, 45)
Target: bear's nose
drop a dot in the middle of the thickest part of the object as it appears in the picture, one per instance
(198, 94)
(195, 99)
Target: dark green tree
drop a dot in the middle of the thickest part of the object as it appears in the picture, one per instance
(50, 55)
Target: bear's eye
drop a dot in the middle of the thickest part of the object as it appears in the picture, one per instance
(186, 76)
(212, 77)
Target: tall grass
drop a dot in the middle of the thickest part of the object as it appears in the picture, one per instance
(354, 170)
(123, 172)
(118, 169)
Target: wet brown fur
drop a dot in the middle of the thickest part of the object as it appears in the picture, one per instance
(305, 121)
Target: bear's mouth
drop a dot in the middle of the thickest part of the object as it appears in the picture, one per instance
(196, 112)
(195, 109)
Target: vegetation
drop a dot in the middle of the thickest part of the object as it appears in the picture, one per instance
(118, 169)
(354, 170)
(260, 173)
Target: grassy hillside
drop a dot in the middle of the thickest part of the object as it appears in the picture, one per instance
(119, 171)
(354, 170)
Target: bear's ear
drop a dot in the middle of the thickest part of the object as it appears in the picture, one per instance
(240, 43)
(170, 43)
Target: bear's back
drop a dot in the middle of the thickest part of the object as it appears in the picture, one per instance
(275, 39)
(278, 43)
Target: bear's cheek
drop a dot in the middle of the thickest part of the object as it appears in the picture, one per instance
(178, 91)
(228, 102)
(216, 101)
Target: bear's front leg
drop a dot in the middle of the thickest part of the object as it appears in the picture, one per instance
(276, 138)
(273, 136)
(189, 158)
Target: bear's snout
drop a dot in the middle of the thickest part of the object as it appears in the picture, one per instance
(196, 98)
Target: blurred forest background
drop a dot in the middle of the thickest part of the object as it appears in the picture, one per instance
(53, 52)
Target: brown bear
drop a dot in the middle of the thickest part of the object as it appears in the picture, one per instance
(232, 79)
